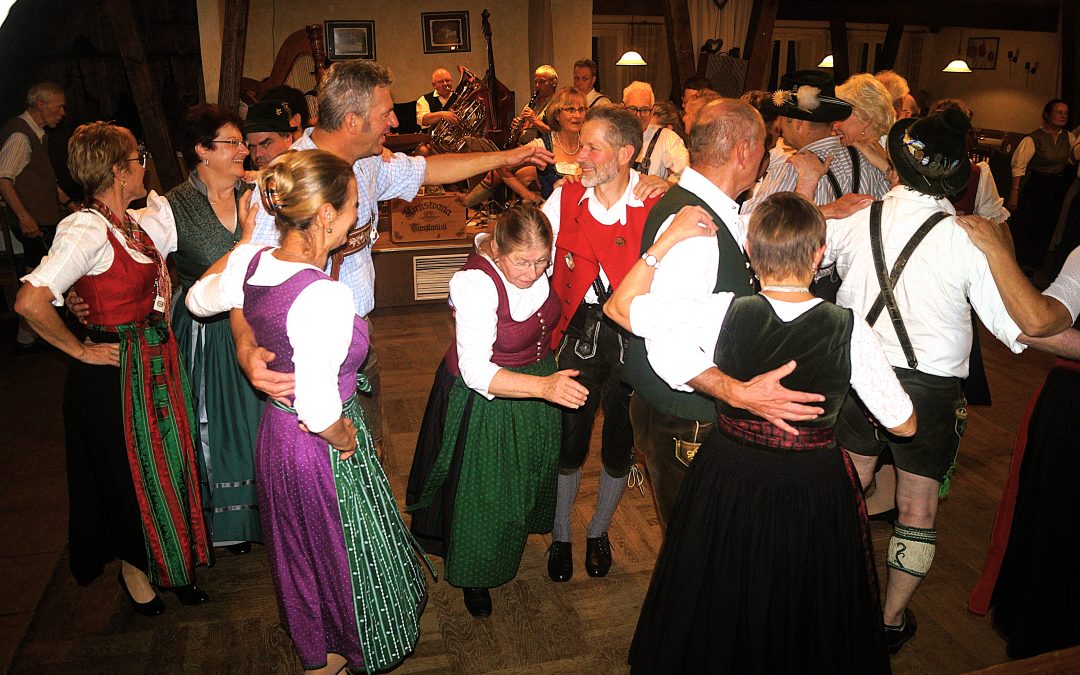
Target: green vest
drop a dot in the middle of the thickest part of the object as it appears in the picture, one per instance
(200, 237)
(754, 340)
(732, 275)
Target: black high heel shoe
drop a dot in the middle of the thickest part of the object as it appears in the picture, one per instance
(152, 608)
(189, 594)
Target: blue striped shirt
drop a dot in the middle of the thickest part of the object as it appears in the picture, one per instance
(376, 180)
(782, 176)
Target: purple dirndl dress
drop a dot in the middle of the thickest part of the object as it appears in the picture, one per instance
(344, 565)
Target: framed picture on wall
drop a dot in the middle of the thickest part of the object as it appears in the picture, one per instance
(350, 40)
(982, 53)
(445, 32)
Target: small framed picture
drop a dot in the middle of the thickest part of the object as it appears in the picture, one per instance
(982, 53)
(350, 40)
(445, 32)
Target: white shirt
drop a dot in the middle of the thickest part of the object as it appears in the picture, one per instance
(376, 180)
(615, 215)
(689, 270)
(1066, 288)
(695, 321)
(475, 300)
(1025, 150)
(669, 157)
(319, 325)
(81, 248)
(782, 176)
(942, 275)
(15, 154)
(988, 203)
(424, 108)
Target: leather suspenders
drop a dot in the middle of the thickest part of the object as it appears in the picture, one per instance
(887, 280)
(837, 190)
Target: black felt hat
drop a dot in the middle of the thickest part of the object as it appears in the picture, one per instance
(930, 154)
(808, 95)
(268, 116)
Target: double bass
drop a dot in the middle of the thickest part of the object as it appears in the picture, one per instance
(502, 109)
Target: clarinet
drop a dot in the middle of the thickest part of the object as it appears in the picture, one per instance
(519, 124)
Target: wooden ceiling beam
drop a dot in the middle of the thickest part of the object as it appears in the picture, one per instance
(145, 91)
(233, 39)
(759, 41)
(680, 44)
(841, 63)
(890, 49)
(1070, 55)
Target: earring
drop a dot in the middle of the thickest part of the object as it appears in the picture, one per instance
(330, 230)
(123, 182)
(206, 162)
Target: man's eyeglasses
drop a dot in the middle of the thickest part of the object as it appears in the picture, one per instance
(144, 155)
(575, 110)
(639, 111)
(542, 263)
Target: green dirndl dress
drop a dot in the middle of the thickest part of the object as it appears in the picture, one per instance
(495, 464)
(227, 408)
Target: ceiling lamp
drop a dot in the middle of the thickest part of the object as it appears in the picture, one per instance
(826, 62)
(631, 58)
(956, 66)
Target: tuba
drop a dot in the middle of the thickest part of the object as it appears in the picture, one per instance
(470, 103)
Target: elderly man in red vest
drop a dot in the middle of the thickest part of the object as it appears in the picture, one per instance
(597, 225)
(27, 181)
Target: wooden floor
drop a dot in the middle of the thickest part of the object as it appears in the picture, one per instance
(48, 624)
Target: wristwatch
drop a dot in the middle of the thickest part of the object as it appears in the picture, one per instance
(651, 260)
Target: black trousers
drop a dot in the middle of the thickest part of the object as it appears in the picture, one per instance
(593, 346)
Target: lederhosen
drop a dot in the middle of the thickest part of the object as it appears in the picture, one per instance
(584, 338)
(938, 401)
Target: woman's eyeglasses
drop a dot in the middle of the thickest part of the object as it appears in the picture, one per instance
(542, 263)
(144, 155)
(236, 143)
(575, 110)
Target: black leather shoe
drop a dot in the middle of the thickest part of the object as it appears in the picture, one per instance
(152, 608)
(477, 601)
(241, 548)
(560, 561)
(189, 595)
(597, 555)
(896, 636)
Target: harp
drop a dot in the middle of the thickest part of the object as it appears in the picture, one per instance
(299, 63)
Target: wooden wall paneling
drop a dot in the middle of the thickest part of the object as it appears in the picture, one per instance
(759, 41)
(145, 91)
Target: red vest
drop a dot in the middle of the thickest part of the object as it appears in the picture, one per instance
(964, 201)
(584, 245)
(124, 293)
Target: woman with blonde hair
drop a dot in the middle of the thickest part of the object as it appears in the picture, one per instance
(871, 116)
(132, 479)
(350, 588)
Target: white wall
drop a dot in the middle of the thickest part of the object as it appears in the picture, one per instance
(1006, 98)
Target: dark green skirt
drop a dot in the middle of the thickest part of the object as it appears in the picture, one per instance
(506, 488)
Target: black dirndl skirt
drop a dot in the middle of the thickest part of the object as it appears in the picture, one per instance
(766, 567)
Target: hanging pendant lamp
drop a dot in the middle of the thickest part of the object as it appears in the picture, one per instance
(631, 57)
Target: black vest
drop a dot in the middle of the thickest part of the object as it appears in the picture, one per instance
(754, 340)
(733, 275)
(36, 185)
(434, 104)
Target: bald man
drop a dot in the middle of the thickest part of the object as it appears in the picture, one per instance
(431, 108)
